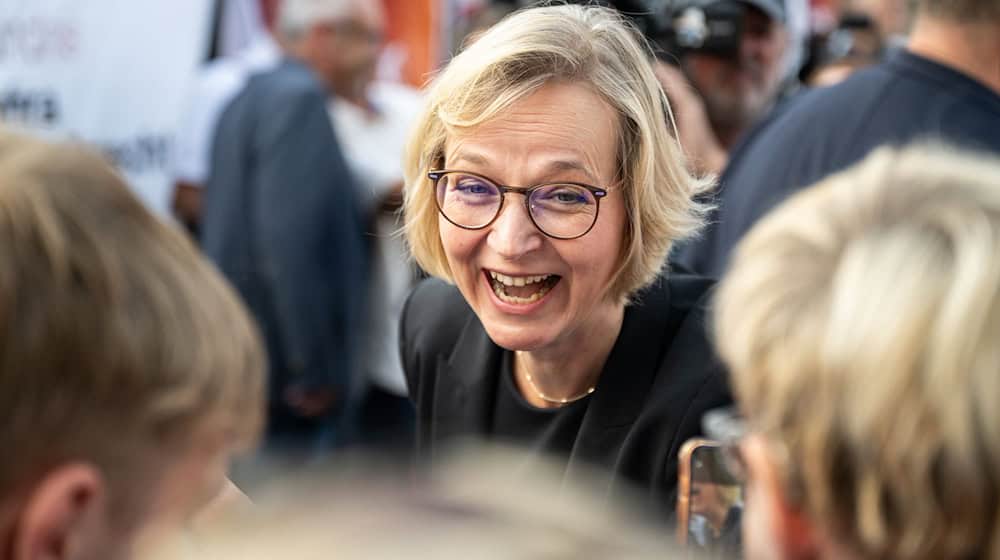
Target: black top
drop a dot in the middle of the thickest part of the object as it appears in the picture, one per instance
(659, 379)
(518, 422)
(823, 131)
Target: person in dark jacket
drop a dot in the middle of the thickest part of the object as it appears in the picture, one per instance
(944, 85)
(559, 333)
(282, 221)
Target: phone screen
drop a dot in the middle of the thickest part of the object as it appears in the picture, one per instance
(710, 502)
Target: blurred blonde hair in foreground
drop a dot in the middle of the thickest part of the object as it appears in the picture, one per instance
(462, 512)
(120, 346)
(861, 323)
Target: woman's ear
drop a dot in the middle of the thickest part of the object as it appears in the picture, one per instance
(789, 532)
(64, 514)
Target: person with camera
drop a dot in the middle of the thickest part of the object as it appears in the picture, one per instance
(729, 72)
(944, 84)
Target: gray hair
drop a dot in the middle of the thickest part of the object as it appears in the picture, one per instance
(296, 16)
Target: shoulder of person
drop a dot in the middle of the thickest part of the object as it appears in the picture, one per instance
(434, 311)
(684, 299)
(432, 321)
(288, 82)
(679, 292)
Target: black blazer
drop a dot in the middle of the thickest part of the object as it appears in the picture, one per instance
(282, 223)
(660, 377)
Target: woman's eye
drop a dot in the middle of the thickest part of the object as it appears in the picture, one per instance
(474, 187)
(567, 196)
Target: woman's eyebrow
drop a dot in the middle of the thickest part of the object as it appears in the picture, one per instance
(553, 167)
(470, 157)
(556, 166)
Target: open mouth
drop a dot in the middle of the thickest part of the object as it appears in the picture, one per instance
(521, 290)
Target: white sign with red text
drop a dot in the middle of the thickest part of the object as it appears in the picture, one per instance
(113, 73)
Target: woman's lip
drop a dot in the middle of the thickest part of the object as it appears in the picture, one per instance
(518, 274)
(514, 308)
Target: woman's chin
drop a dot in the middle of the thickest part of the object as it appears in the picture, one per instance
(518, 339)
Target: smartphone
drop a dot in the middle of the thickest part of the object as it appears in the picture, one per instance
(709, 501)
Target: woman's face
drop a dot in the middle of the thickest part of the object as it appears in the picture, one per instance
(561, 132)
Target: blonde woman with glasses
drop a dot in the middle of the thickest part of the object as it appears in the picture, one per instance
(545, 189)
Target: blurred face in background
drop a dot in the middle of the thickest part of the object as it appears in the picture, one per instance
(739, 87)
(350, 48)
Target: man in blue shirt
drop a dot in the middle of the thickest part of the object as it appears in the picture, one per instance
(945, 85)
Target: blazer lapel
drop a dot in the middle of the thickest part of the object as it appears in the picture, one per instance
(627, 379)
(466, 389)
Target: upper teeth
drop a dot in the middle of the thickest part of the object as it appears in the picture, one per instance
(517, 280)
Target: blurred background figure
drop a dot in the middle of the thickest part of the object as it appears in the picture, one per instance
(944, 84)
(283, 221)
(856, 43)
(475, 17)
(730, 57)
(129, 370)
(216, 84)
(373, 119)
(860, 322)
(738, 81)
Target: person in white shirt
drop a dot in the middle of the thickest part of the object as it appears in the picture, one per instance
(373, 138)
(372, 120)
(216, 85)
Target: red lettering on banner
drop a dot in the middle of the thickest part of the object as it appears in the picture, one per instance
(37, 39)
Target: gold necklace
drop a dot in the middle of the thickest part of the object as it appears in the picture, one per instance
(549, 399)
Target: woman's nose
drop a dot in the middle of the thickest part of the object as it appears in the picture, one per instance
(513, 234)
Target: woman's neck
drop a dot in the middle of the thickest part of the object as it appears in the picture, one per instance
(569, 368)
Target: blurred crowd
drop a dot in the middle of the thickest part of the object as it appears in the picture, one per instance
(794, 204)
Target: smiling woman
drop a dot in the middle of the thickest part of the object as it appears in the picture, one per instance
(544, 183)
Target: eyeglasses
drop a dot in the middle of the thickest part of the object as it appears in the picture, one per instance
(562, 210)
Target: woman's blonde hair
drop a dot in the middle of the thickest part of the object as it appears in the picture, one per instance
(588, 45)
(861, 323)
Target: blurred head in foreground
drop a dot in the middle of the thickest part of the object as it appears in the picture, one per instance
(861, 323)
(128, 369)
(477, 506)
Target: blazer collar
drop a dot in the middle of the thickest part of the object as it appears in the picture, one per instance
(632, 366)
(473, 368)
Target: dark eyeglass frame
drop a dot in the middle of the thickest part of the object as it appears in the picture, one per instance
(435, 175)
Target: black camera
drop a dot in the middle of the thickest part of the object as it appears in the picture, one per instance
(676, 27)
